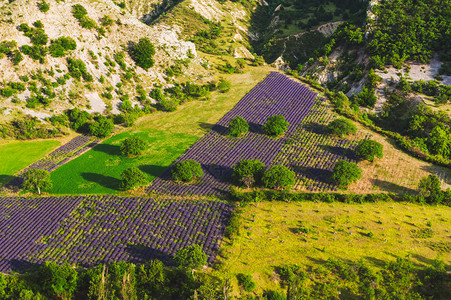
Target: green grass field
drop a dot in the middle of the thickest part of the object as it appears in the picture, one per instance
(17, 155)
(168, 135)
(271, 236)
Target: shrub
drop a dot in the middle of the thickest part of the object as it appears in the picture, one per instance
(167, 105)
(238, 126)
(246, 282)
(62, 44)
(43, 6)
(187, 170)
(101, 128)
(430, 188)
(77, 69)
(273, 295)
(224, 86)
(35, 180)
(132, 146)
(79, 11)
(142, 53)
(248, 172)
(345, 173)
(132, 178)
(7, 92)
(341, 127)
(368, 149)
(275, 125)
(278, 177)
(191, 257)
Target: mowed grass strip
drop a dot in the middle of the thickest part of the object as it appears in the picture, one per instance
(273, 234)
(15, 156)
(168, 136)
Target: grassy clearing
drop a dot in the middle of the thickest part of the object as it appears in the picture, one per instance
(168, 135)
(271, 236)
(17, 155)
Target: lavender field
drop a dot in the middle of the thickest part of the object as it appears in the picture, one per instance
(105, 229)
(217, 153)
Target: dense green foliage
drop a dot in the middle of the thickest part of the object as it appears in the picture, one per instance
(248, 172)
(132, 178)
(35, 180)
(191, 257)
(77, 69)
(43, 6)
(410, 30)
(278, 177)
(238, 126)
(132, 146)
(368, 149)
(341, 127)
(142, 53)
(224, 85)
(81, 14)
(345, 173)
(430, 188)
(187, 170)
(246, 282)
(102, 127)
(275, 125)
(60, 46)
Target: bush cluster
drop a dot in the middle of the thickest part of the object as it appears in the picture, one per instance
(368, 149)
(275, 125)
(60, 46)
(238, 126)
(187, 170)
(142, 53)
(132, 146)
(345, 173)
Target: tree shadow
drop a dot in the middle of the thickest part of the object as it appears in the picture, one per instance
(341, 151)
(220, 173)
(376, 261)
(105, 181)
(142, 253)
(316, 174)
(443, 173)
(220, 129)
(108, 149)
(5, 179)
(153, 170)
(392, 187)
(21, 265)
(255, 128)
(316, 128)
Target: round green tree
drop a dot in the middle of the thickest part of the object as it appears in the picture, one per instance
(224, 86)
(187, 170)
(368, 149)
(345, 173)
(35, 180)
(431, 189)
(275, 125)
(238, 126)
(132, 178)
(191, 257)
(248, 172)
(132, 146)
(341, 127)
(142, 53)
(278, 177)
(101, 128)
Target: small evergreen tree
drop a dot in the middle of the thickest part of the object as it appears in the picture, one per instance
(275, 125)
(35, 180)
(238, 126)
(345, 173)
(278, 177)
(187, 170)
(341, 127)
(132, 146)
(132, 178)
(368, 149)
(142, 53)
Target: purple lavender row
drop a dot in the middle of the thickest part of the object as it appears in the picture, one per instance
(23, 221)
(276, 94)
(105, 229)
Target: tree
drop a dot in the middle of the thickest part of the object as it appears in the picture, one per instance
(238, 126)
(191, 257)
(132, 178)
(35, 180)
(101, 128)
(368, 149)
(366, 97)
(275, 125)
(278, 177)
(142, 53)
(430, 188)
(187, 170)
(58, 281)
(345, 173)
(341, 127)
(248, 172)
(246, 282)
(132, 146)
